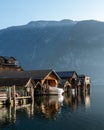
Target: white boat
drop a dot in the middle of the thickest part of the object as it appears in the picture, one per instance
(56, 91)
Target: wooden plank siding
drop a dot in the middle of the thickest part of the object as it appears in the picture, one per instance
(32, 77)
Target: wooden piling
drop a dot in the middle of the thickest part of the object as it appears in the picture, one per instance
(14, 113)
(14, 95)
(10, 113)
(9, 95)
(24, 101)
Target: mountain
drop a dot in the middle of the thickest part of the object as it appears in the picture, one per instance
(61, 45)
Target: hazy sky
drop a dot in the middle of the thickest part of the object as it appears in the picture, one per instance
(18, 12)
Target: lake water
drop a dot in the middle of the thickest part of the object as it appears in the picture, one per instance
(81, 112)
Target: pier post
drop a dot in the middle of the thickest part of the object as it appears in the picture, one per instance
(10, 113)
(9, 95)
(84, 90)
(32, 93)
(32, 107)
(23, 101)
(14, 113)
(14, 95)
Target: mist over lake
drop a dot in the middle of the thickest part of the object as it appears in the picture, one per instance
(60, 45)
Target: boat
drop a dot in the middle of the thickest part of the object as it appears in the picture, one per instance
(56, 91)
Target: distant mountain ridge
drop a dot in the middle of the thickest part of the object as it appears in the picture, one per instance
(50, 23)
(61, 45)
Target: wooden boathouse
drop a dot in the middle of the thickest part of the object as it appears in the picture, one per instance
(44, 79)
(24, 84)
(68, 79)
(16, 90)
(85, 82)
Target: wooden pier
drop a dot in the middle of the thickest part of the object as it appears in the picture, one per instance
(12, 97)
(17, 100)
(21, 87)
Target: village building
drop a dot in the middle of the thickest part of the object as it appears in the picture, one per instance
(9, 63)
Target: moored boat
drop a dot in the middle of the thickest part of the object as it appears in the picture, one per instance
(56, 91)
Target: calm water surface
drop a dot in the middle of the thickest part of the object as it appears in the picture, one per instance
(81, 112)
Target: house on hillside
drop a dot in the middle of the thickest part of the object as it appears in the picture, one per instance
(2, 60)
(9, 63)
(12, 60)
(68, 79)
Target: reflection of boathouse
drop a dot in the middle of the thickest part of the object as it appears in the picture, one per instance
(74, 101)
(45, 107)
(50, 106)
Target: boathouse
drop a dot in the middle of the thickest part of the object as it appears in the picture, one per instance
(16, 89)
(42, 78)
(65, 84)
(85, 82)
(69, 78)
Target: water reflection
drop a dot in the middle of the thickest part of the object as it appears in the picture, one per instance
(51, 106)
(46, 106)
(74, 101)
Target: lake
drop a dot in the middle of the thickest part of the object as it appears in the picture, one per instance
(74, 112)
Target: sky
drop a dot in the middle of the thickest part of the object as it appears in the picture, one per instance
(20, 12)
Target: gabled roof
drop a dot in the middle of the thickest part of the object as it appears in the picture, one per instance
(66, 74)
(63, 81)
(12, 58)
(35, 74)
(7, 58)
(81, 76)
(2, 57)
(13, 81)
